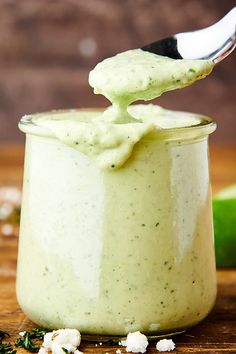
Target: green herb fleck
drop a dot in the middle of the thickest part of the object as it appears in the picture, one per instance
(27, 340)
(191, 70)
(38, 333)
(5, 348)
(26, 343)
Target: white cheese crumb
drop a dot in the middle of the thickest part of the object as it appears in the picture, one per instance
(55, 341)
(7, 230)
(165, 345)
(69, 347)
(22, 334)
(42, 350)
(135, 342)
(57, 348)
(118, 351)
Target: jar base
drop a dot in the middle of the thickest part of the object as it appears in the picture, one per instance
(116, 338)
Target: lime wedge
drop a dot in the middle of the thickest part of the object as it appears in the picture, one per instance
(224, 215)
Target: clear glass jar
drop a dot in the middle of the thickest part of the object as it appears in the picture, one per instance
(109, 252)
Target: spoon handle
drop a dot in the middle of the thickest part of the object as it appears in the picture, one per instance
(214, 42)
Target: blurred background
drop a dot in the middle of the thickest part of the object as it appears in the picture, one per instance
(48, 47)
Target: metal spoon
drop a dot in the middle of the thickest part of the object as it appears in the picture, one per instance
(215, 42)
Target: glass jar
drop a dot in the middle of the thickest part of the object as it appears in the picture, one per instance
(110, 252)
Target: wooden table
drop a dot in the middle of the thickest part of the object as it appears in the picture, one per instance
(216, 334)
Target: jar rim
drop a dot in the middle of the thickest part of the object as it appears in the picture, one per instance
(204, 128)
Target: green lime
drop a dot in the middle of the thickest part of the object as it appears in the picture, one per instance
(224, 214)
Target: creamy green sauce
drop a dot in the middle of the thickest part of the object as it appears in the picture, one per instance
(133, 75)
(115, 252)
(139, 75)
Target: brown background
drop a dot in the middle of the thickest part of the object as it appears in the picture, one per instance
(48, 47)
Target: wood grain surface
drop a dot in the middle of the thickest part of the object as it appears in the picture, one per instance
(216, 334)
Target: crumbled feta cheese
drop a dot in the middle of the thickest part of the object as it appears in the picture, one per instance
(7, 230)
(57, 348)
(47, 340)
(118, 351)
(60, 341)
(165, 345)
(10, 195)
(42, 350)
(69, 347)
(22, 334)
(5, 210)
(135, 342)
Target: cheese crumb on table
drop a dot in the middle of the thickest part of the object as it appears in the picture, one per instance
(61, 341)
(42, 350)
(165, 345)
(118, 351)
(135, 342)
(22, 334)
